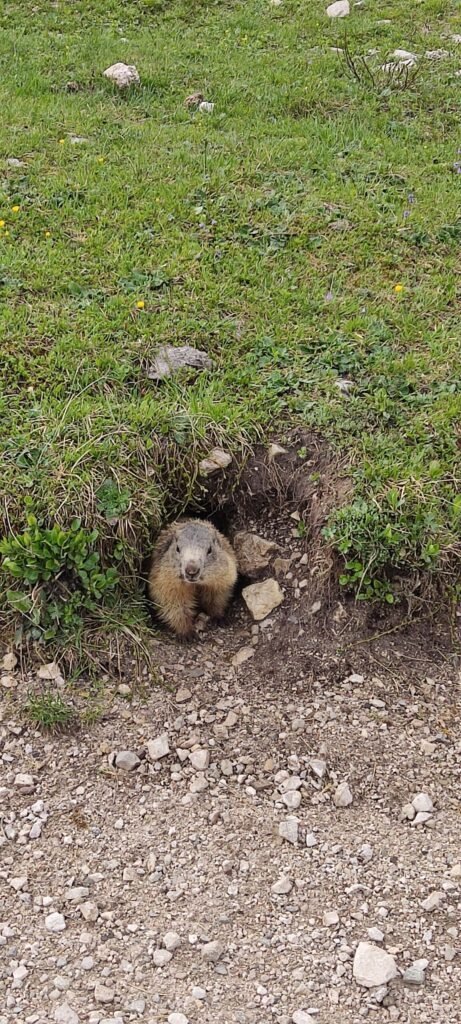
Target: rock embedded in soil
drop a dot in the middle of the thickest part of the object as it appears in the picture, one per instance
(169, 359)
(162, 957)
(342, 796)
(413, 976)
(64, 1014)
(373, 966)
(289, 830)
(158, 748)
(253, 552)
(301, 1017)
(122, 75)
(262, 598)
(55, 922)
(433, 901)
(171, 941)
(9, 662)
(340, 9)
(212, 951)
(422, 802)
(102, 993)
(127, 760)
(243, 655)
(24, 782)
(216, 460)
(200, 759)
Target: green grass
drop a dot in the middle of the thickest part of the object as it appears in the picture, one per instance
(226, 226)
(49, 712)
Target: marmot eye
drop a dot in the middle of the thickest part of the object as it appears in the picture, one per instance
(178, 548)
(209, 550)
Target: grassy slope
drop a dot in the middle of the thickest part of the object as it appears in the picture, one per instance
(236, 212)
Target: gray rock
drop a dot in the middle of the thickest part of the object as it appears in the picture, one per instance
(292, 800)
(243, 655)
(262, 598)
(330, 918)
(89, 911)
(55, 922)
(289, 830)
(373, 966)
(366, 852)
(253, 552)
(340, 9)
(14, 162)
(122, 75)
(18, 883)
(198, 993)
(127, 760)
(375, 934)
(24, 782)
(162, 957)
(159, 747)
(36, 830)
(216, 460)
(422, 802)
(200, 759)
(76, 894)
(102, 993)
(413, 976)
(342, 796)
(433, 901)
(408, 812)
(171, 941)
(64, 1014)
(421, 818)
(319, 768)
(212, 951)
(170, 359)
(282, 887)
(301, 1017)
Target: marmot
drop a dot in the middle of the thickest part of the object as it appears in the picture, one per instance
(193, 569)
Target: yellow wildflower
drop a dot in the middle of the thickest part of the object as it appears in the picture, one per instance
(398, 288)
(61, 142)
(15, 209)
(100, 159)
(140, 304)
(2, 223)
(7, 234)
(47, 234)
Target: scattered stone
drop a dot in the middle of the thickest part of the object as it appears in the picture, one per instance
(212, 951)
(24, 782)
(55, 922)
(340, 9)
(375, 934)
(169, 359)
(77, 140)
(178, 1018)
(89, 911)
(292, 799)
(436, 54)
(428, 748)
(366, 852)
(183, 695)
(216, 460)
(342, 796)
(330, 918)
(433, 901)
(76, 894)
(159, 747)
(413, 976)
(18, 883)
(205, 107)
(243, 655)
(262, 598)
(289, 830)
(171, 941)
(373, 966)
(405, 57)
(274, 450)
(102, 993)
(421, 818)
(127, 760)
(455, 871)
(422, 802)
(122, 75)
(9, 662)
(253, 552)
(64, 1014)
(162, 957)
(301, 1017)
(319, 768)
(198, 993)
(282, 887)
(408, 812)
(50, 672)
(13, 161)
(200, 759)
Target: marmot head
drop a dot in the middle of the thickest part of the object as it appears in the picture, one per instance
(194, 548)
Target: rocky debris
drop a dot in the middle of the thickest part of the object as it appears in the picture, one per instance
(198, 993)
(375, 934)
(342, 796)
(437, 54)
(289, 830)
(262, 598)
(178, 1018)
(9, 662)
(200, 759)
(55, 922)
(18, 883)
(253, 552)
(282, 887)
(243, 655)
(319, 768)
(433, 901)
(330, 918)
(24, 782)
(216, 460)
(127, 760)
(455, 871)
(301, 1017)
(122, 75)
(102, 993)
(422, 802)
(171, 941)
(340, 9)
(76, 894)
(372, 966)
(162, 957)
(405, 57)
(89, 911)
(206, 107)
(212, 951)
(366, 852)
(64, 1014)
(50, 672)
(13, 161)
(274, 450)
(169, 359)
(158, 748)
(414, 975)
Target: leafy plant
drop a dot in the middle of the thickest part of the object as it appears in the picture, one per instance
(48, 711)
(58, 577)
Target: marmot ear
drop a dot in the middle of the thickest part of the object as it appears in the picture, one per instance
(165, 541)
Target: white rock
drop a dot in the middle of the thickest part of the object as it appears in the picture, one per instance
(293, 782)
(340, 9)
(311, 839)
(200, 759)
(55, 922)
(159, 747)
(122, 75)
(366, 852)
(50, 671)
(198, 993)
(64, 1014)
(275, 449)
(171, 941)
(24, 782)
(292, 800)
(436, 54)
(18, 883)
(455, 871)
(373, 966)
(212, 951)
(289, 830)
(102, 993)
(375, 934)
(408, 812)
(330, 918)
(243, 655)
(282, 887)
(20, 973)
(422, 802)
(342, 796)
(162, 957)
(301, 1017)
(205, 107)
(413, 976)
(262, 598)
(216, 460)
(89, 911)
(13, 161)
(319, 768)
(127, 760)
(36, 830)
(76, 894)
(406, 56)
(9, 662)
(421, 818)
(77, 140)
(253, 552)
(433, 901)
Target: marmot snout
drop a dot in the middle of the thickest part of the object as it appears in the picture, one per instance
(193, 568)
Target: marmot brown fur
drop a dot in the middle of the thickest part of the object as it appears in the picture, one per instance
(193, 569)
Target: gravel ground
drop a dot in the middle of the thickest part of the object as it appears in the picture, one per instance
(259, 827)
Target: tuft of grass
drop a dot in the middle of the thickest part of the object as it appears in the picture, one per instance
(304, 233)
(49, 712)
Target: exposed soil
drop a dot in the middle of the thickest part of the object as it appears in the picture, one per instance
(173, 846)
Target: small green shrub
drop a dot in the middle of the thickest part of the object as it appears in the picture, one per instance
(58, 578)
(50, 712)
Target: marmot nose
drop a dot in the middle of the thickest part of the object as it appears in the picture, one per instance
(192, 570)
